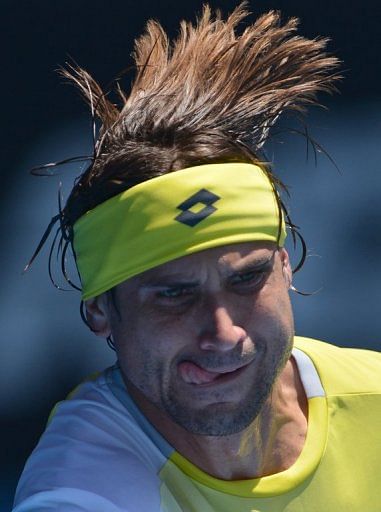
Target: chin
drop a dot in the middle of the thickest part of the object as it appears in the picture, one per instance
(220, 419)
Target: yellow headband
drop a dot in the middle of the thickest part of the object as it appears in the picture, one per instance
(176, 214)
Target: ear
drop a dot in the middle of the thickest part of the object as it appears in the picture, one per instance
(286, 267)
(97, 315)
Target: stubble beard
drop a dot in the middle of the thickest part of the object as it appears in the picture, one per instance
(218, 419)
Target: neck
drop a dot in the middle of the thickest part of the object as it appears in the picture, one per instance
(270, 444)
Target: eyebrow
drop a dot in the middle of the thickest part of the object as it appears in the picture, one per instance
(166, 282)
(251, 266)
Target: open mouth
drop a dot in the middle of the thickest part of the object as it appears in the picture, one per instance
(191, 373)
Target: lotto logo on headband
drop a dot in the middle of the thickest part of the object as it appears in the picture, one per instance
(203, 197)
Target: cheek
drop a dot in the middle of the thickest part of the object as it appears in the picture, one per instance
(146, 343)
(170, 328)
(271, 312)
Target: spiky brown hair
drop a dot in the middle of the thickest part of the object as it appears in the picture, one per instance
(211, 95)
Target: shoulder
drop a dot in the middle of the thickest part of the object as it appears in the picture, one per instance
(94, 447)
(343, 370)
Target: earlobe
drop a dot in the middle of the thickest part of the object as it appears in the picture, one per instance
(97, 316)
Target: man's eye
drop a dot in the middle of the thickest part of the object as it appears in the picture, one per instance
(175, 292)
(248, 278)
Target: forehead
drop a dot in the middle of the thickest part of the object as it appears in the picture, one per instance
(225, 259)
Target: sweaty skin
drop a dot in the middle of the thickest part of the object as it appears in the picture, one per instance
(204, 346)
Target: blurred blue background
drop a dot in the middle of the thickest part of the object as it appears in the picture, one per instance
(46, 350)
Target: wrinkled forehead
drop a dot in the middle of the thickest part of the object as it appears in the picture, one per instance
(225, 260)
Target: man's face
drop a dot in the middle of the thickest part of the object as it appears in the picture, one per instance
(205, 336)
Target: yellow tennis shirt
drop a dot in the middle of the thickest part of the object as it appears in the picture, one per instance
(100, 454)
(339, 468)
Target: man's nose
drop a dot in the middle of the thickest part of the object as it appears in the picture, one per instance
(220, 331)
